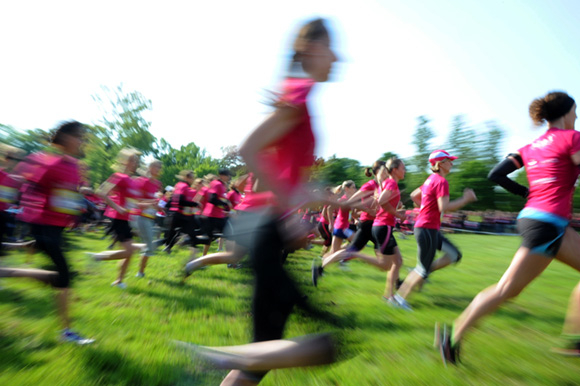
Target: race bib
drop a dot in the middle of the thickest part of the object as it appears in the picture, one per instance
(148, 212)
(65, 201)
(8, 195)
(131, 205)
(188, 210)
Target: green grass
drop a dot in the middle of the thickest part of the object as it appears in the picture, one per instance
(134, 328)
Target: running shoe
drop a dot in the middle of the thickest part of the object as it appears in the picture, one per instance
(120, 285)
(72, 337)
(140, 274)
(403, 303)
(449, 353)
(316, 272)
(391, 302)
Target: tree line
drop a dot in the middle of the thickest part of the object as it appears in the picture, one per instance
(124, 124)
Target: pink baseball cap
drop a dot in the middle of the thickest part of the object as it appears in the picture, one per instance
(440, 155)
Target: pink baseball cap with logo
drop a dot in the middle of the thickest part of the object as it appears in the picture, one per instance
(440, 155)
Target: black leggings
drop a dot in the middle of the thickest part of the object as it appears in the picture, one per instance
(49, 240)
(188, 225)
(275, 293)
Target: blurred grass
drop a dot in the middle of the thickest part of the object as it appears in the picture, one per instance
(134, 328)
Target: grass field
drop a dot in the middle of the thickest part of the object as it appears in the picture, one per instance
(382, 346)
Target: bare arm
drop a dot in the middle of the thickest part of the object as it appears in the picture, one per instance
(384, 203)
(103, 192)
(273, 128)
(576, 158)
(449, 206)
(416, 196)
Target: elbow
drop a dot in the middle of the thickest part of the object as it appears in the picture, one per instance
(493, 177)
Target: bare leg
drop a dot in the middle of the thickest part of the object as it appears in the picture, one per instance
(412, 280)
(143, 265)
(275, 354)
(568, 254)
(396, 261)
(62, 302)
(524, 268)
(237, 378)
(335, 246)
(206, 249)
(572, 322)
(41, 275)
(441, 262)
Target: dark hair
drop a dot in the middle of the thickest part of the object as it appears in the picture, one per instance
(554, 105)
(393, 163)
(311, 31)
(224, 172)
(74, 128)
(375, 168)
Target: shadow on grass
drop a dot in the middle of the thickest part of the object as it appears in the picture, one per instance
(16, 351)
(111, 367)
(28, 307)
(203, 298)
(450, 303)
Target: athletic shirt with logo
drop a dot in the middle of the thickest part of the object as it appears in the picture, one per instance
(125, 195)
(371, 185)
(551, 172)
(210, 210)
(287, 161)
(342, 220)
(384, 217)
(8, 190)
(433, 188)
(147, 189)
(51, 196)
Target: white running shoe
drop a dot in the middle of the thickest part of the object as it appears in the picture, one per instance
(120, 285)
(403, 303)
(71, 336)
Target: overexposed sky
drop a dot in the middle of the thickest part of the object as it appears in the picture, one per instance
(206, 66)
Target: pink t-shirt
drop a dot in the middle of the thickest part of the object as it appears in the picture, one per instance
(342, 220)
(322, 219)
(371, 185)
(147, 189)
(51, 196)
(433, 188)
(384, 217)
(287, 161)
(124, 194)
(551, 172)
(210, 210)
(178, 190)
(234, 197)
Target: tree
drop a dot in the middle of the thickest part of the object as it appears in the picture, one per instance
(462, 141)
(233, 161)
(123, 119)
(422, 141)
(335, 171)
(491, 146)
(30, 140)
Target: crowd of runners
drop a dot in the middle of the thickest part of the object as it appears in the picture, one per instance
(271, 212)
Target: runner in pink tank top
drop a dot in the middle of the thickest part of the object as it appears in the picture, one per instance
(552, 166)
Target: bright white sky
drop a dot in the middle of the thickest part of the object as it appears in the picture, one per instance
(205, 65)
